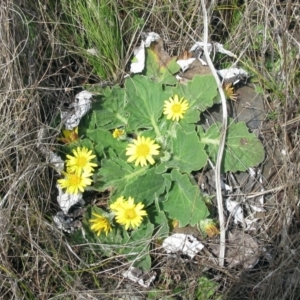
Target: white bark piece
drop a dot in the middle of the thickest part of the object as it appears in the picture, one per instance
(139, 56)
(201, 45)
(56, 160)
(220, 48)
(136, 275)
(233, 74)
(185, 63)
(77, 110)
(185, 243)
(235, 209)
(150, 37)
(66, 200)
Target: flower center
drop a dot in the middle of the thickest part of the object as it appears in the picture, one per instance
(74, 180)
(176, 108)
(81, 161)
(130, 213)
(142, 150)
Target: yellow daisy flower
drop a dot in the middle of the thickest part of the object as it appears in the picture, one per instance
(99, 224)
(175, 108)
(118, 204)
(142, 150)
(73, 183)
(229, 92)
(118, 133)
(209, 227)
(129, 214)
(69, 136)
(80, 162)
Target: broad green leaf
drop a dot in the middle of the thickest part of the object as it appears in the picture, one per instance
(104, 140)
(184, 201)
(109, 244)
(145, 103)
(108, 108)
(158, 218)
(200, 93)
(115, 174)
(138, 246)
(242, 150)
(187, 153)
(134, 244)
(146, 188)
(159, 66)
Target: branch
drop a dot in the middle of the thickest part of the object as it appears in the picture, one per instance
(222, 140)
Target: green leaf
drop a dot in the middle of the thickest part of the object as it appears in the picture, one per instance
(242, 150)
(108, 244)
(104, 139)
(159, 66)
(187, 152)
(115, 174)
(184, 201)
(206, 289)
(145, 103)
(200, 93)
(158, 218)
(135, 243)
(138, 246)
(108, 110)
(146, 188)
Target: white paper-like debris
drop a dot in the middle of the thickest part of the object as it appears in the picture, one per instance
(252, 224)
(139, 53)
(67, 223)
(260, 206)
(52, 157)
(150, 37)
(257, 208)
(136, 275)
(77, 110)
(235, 209)
(234, 74)
(252, 172)
(185, 243)
(66, 200)
(283, 152)
(225, 186)
(139, 56)
(185, 63)
(201, 45)
(56, 160)
(59, 223)
(220, 48)
(63, 222)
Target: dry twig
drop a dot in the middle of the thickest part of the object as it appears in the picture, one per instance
(222, 140)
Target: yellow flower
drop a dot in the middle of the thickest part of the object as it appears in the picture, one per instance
(73, 183)
(129, 214)
(174, 223)
(209, 227)
(229, 92)
(80, 162)
(118, 204)
(175, 108)
(69, 136)
(100, 224)
(142, 150)
(117, 133)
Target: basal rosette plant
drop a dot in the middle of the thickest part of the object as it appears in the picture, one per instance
(147, 144)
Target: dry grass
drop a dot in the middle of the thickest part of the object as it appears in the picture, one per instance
(37, 261)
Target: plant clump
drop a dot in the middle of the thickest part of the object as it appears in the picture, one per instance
(147, 142)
